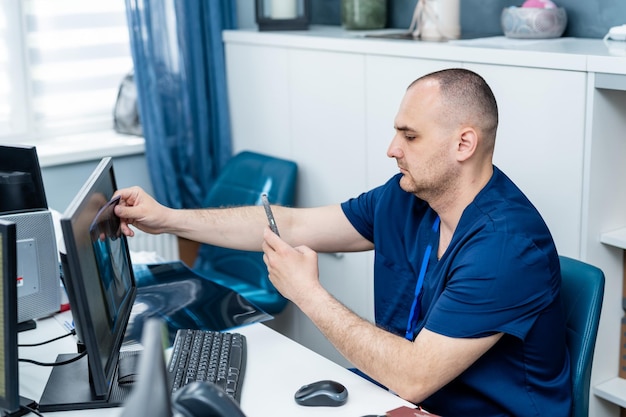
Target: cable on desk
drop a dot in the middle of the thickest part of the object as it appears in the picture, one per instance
(74, 359)
(71, 333)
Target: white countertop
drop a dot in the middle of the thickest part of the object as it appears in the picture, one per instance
(276, 368)
(574, 54)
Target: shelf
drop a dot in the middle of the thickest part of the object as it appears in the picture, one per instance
(615, 238)
(88, 146)
(613, 390)
(611, 81)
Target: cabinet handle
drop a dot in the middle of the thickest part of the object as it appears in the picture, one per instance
(337, 255)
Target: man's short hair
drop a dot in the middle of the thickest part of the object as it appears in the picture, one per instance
(468, 96)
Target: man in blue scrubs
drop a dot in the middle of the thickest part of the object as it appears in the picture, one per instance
(467, 277)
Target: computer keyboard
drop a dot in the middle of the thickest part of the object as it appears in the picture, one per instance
(201, 355)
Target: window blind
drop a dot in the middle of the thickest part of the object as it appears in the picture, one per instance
(65, 60)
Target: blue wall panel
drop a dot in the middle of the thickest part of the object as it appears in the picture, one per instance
(586, 19)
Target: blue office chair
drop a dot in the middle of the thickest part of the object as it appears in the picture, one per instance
(241, 182)
(582, 292)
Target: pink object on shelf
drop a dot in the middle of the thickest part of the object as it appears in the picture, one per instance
(541, 4)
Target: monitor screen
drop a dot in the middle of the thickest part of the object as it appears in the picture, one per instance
(21, 183)
(101, 289)
(9, 387)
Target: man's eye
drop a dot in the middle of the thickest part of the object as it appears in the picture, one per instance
(409, 137)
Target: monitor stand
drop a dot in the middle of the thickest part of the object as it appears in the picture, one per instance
(26, 406)
(69, 388)
(26, 325)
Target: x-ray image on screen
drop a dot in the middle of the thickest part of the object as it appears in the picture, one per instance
(110, 252)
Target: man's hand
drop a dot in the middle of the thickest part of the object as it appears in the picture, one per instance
(293, 271)
(138, 208)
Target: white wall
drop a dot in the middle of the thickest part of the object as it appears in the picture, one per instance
(62, 182)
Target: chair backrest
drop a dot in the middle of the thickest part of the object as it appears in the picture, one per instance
(582, 292)
(243, 179)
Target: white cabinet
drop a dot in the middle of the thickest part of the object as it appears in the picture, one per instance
(327, 124)
(327, 99)
(308, 106)
(327, 131)
(258, 94)
(606, 205)
(540, 142)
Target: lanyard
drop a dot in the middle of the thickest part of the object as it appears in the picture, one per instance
(415, 308)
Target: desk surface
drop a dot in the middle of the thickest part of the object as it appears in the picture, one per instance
(276, 368)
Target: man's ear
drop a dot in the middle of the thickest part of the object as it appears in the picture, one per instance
(468, 142)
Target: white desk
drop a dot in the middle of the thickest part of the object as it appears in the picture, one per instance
(276, 367)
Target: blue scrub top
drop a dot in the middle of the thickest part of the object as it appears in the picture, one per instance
(500, 273)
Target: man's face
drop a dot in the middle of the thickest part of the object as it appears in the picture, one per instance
(424, 144)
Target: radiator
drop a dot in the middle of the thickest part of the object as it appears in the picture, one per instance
(164, 246)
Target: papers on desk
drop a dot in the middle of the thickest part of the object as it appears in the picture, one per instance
(405, 411)
(186, 300)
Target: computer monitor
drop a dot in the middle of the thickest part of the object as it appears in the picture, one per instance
(9, 387)
(23, 202)
(101, 288)
(11, 403)
(21, 182)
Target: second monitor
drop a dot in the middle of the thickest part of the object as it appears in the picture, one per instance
(101, 289)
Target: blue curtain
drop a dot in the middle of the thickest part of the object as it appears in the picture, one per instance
(179, 70)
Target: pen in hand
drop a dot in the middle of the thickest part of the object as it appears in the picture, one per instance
(269, 214)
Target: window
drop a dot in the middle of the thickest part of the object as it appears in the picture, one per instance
(61, 64)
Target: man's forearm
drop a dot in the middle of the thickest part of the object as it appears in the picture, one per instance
(236, 227)
(383, 356)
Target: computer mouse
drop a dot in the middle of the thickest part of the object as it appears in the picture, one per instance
(322, 393)
(204, 399)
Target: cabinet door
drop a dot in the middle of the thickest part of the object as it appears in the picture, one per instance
(327, 102)
(387, 79)
(306, 106)
(327, 124)
(540, 142)
(258, 94)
